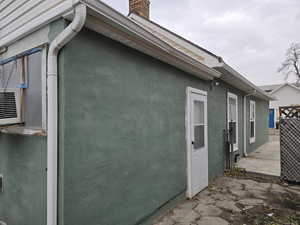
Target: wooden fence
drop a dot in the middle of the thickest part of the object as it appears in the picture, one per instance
(290, 143)
(289, 112)
(290, 149)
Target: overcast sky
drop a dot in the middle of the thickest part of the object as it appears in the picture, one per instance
(251, 35)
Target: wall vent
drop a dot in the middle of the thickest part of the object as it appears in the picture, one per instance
(10, 106)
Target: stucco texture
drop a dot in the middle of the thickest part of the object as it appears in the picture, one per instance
(23, 166)
(122, 132)
(122, 150)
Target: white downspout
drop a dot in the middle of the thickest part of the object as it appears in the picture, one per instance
(245, 122)
(62, 39)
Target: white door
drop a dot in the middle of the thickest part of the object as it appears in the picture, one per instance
(197, 141)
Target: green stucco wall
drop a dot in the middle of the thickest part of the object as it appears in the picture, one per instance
(122, 151)
(122, 132)
(23, 163)
(23, 166)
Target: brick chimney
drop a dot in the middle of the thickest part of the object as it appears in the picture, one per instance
(140, 7)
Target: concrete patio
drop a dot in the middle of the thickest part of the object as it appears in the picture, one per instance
(266, 160)
(239, 201)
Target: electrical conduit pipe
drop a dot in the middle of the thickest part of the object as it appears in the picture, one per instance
(52, 150)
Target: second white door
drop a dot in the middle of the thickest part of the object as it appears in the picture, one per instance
(197, 138)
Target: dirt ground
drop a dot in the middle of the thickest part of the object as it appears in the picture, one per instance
(239, 201)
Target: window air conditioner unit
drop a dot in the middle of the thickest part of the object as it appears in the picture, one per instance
(10, 106)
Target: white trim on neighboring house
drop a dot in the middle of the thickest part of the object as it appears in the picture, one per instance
(189, 91)
(235, 97)
(252, 119)
(282, 86)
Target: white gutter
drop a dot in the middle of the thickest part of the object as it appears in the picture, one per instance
(184, 61)
(245, 122)
(260, 93)
(62, 39)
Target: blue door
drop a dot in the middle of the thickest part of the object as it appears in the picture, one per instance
(271, 118)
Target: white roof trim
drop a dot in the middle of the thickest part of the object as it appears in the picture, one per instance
(38, 22)
(176, 40)
(237, 77)
(142, 38)
(282, 86)
(137, 33)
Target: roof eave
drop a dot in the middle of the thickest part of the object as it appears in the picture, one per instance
(166, 53)
(175, 57)
(138, 18)
(250, 87)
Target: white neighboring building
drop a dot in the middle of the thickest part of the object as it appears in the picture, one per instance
(286, 94)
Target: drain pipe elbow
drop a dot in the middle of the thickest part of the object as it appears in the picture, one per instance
(52, 151)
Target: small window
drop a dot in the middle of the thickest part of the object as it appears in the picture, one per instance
(199, 125)
(27, 72)
(232, 115)
(252, 121)
(199, 136)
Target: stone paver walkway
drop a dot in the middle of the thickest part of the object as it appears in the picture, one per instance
(233, 201)
(265, 160)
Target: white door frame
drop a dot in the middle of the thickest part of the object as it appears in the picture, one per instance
(189, 92)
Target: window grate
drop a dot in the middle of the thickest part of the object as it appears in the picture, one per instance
(8, 107)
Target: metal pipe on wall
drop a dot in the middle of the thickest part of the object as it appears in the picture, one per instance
(52, 149)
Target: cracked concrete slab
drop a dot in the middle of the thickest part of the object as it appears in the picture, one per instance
(184, 215)
(230, 199)
(277, 188)
(228, 206)
(205, 199)
(212, 221)
(258, 194)
(208, 210)
(265, 160)
(251, 202)
(239, 193)
(189, 204)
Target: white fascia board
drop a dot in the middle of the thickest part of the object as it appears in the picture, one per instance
(128, 26)
(33, 40)
(109, 31)
(261, 93)
(124, 23)
(189, 48)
